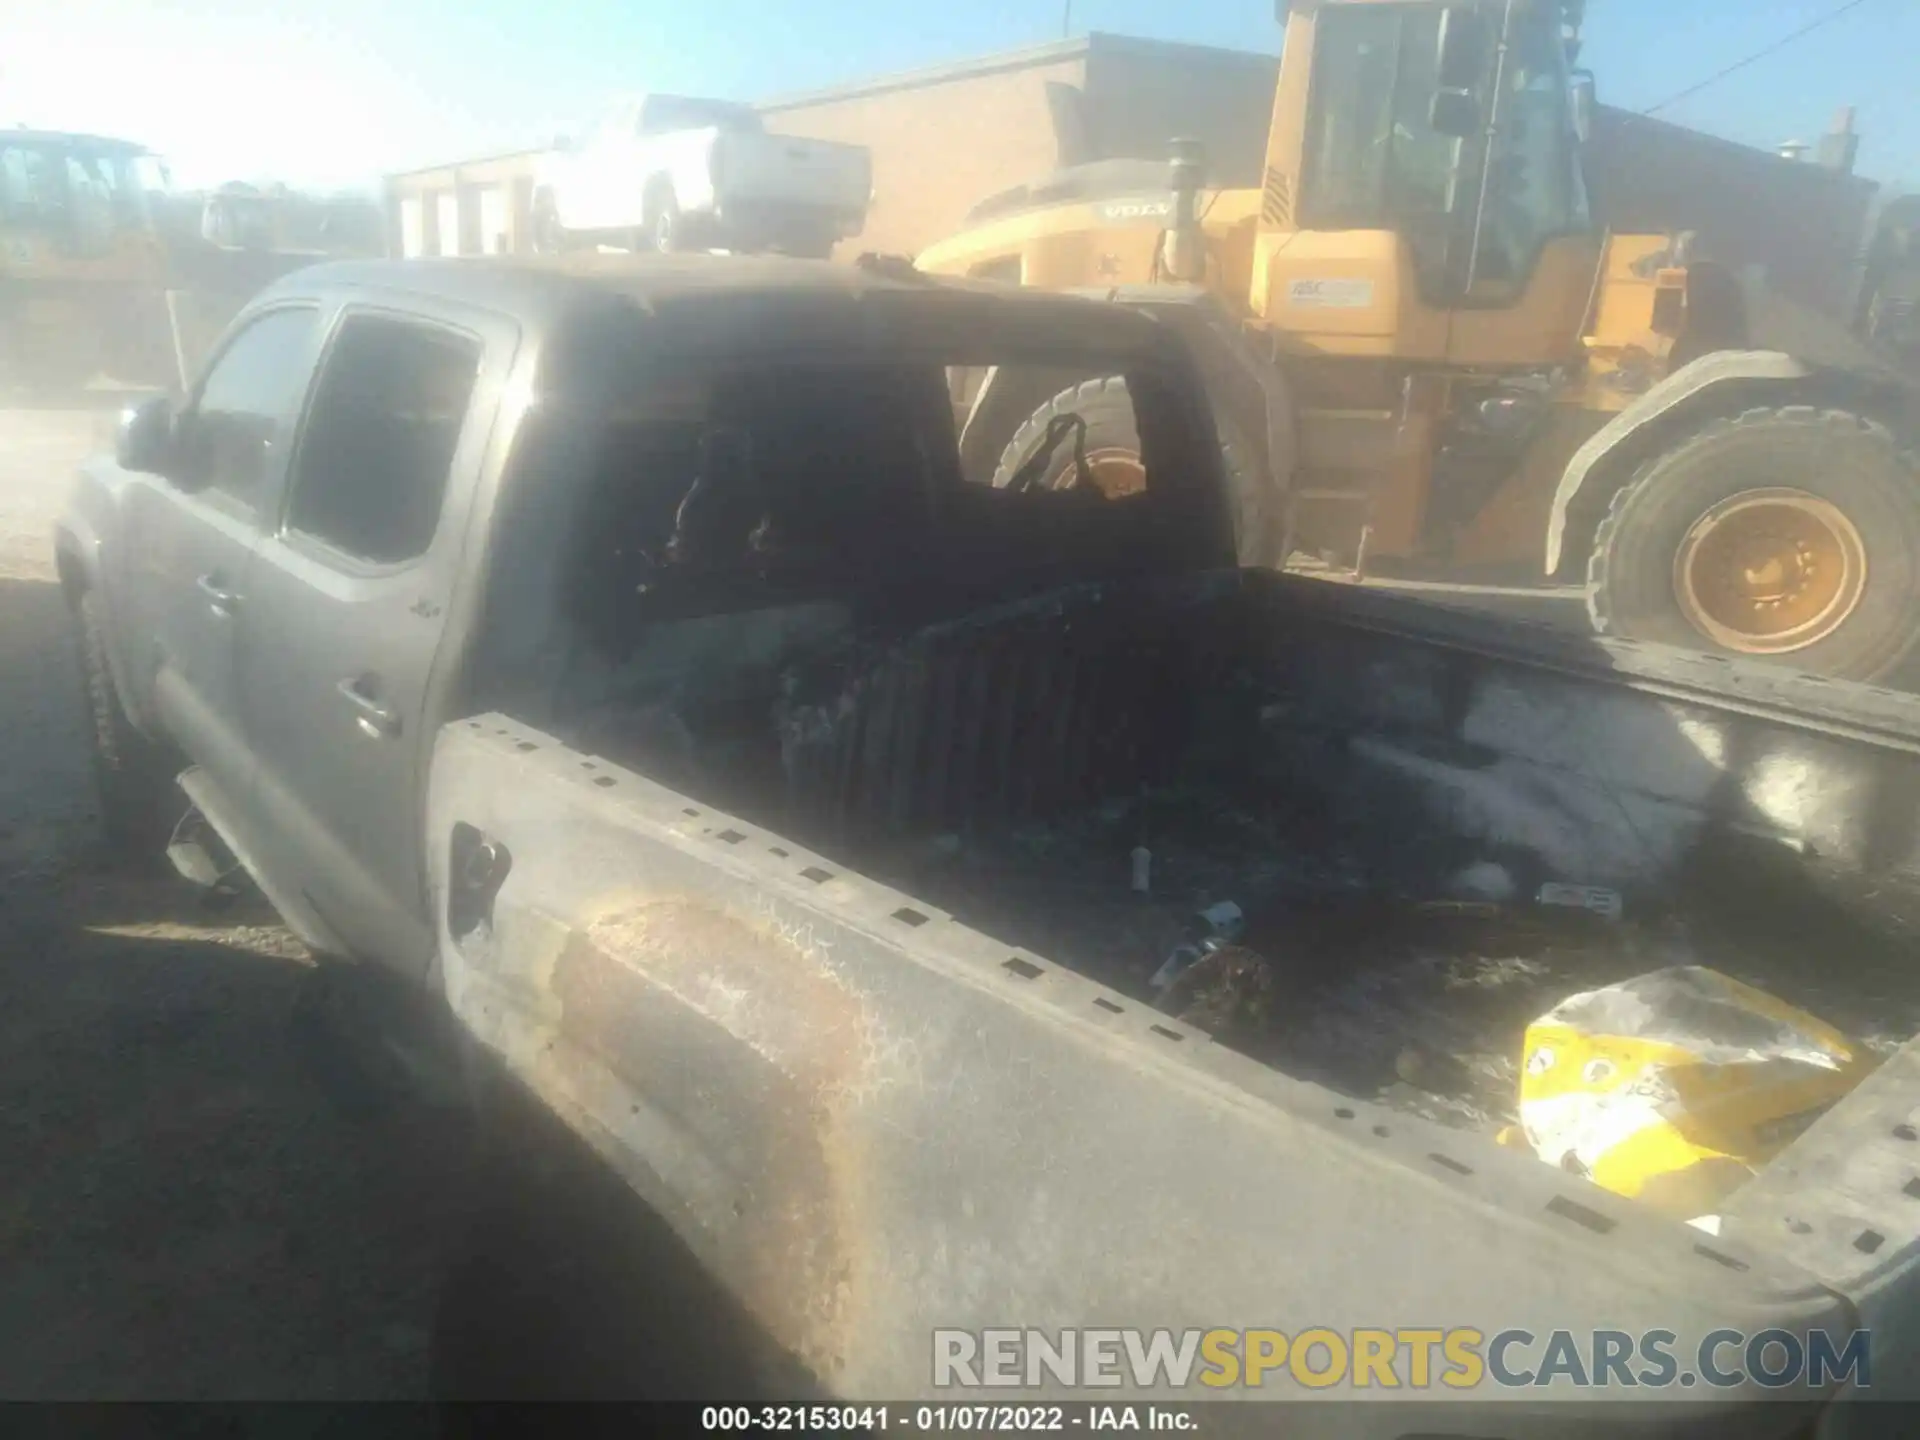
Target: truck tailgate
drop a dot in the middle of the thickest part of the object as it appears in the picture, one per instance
(790, 170)
(871, 1121)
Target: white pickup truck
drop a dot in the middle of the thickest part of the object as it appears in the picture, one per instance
(668, 172)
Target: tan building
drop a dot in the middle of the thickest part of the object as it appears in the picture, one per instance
(476, 207)
(941, 138)
(944, 138)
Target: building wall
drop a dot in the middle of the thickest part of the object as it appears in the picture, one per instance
(1803, 223)
(938, 144)
(944, 139)
(943, 147)
(478, 207)
(1141, 96)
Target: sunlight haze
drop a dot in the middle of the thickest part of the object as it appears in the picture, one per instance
(337, 93)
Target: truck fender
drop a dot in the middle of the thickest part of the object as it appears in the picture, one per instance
(77, 562)
(76, 555)
(1615, 450)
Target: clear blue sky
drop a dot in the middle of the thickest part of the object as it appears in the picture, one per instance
(337, 91)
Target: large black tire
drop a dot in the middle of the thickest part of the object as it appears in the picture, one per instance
(1850, 462)
(134, 776)
(1107, 409)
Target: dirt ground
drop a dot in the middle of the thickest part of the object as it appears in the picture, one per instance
(185, 1212)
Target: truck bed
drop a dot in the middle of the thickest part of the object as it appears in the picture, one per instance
(1003, 766)
(786, 894)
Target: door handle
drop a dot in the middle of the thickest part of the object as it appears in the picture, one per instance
(376, 721)
(218, 596)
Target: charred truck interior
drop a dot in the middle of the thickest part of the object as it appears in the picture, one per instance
(1061, 716)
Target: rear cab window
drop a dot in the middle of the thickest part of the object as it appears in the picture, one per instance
(739, 484)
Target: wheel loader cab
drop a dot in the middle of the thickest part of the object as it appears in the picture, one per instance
(79, 240)
(77, 207)
(1423, 198)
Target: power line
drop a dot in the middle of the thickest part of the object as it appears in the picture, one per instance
(1758, 55)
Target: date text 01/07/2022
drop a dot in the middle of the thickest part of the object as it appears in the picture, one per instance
(949, 1418)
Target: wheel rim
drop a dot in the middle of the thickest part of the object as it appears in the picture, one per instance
(1766, 572)
(1114, 472)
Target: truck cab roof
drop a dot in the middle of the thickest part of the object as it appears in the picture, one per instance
(895, 302)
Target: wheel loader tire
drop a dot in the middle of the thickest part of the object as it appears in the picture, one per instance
(1788, 533)
(1107, 409)
(134, 777)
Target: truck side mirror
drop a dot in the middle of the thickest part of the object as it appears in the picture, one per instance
(1585, 104)
(144, 440)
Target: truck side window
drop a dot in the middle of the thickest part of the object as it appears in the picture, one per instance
(250, 397)
(372, 468)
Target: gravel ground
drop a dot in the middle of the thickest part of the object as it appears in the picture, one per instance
(184, 1213)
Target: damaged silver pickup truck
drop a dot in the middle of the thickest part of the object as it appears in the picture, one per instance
(630, 659)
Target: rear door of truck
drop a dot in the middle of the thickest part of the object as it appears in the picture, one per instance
(347, 609)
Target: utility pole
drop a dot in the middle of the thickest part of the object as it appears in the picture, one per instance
(1066, 19)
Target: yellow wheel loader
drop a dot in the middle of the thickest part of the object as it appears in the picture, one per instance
(82, 262)
(104, 282)
(1428, 358)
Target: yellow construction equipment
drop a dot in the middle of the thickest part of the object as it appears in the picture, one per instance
(82, 262)
(1426, 352)
(106, 279)
(1889, 307)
